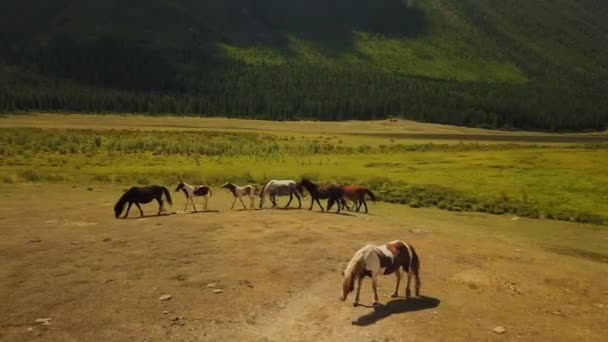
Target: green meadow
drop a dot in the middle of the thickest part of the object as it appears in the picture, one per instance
(565, 181)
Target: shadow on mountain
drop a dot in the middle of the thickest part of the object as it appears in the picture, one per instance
(328, 24)
(156, 44)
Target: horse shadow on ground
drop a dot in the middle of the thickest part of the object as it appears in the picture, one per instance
(211, 211)
(149, 216)
(340, 213)
(397, 306)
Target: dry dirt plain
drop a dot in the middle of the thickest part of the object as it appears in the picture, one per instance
(64, 256)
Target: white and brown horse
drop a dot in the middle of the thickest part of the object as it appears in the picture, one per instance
(276, 188)
(372, 261)
(194, 191)
(239, 192)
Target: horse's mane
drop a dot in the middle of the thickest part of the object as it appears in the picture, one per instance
(354, 268)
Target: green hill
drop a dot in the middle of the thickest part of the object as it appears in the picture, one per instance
(539, 64)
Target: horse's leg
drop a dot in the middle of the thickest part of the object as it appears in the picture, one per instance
(233, 203)
(273, 199)
(193, 204)
(160, 206)
(206, 197)
(375, 286)
(359, 283)
(290, 199)
(344, 204)
(243, 203)
(330, 203)
(141, 212)
(312, 202)
(398, 274)
(320, 205)
(407, 289)
(128, 208)
(299, 200)
(365, 204)
(338, 205)
(252, 200)
(186, 207)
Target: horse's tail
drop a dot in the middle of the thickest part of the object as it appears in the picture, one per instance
(416, 269)
(371, 195)
(167, 195)
(210, 192)
(262, 194)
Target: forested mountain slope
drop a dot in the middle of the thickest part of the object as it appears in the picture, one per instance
(539, 64)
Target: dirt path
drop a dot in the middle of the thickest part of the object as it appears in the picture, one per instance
(63, 256)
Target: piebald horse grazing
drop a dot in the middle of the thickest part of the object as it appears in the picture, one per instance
(194, 191)
(239, 192)
(280, 188)
(144, 195)
(372, 261)
(333, 194)
(356, 194)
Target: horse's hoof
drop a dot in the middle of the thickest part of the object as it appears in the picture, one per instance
(394, 295)
(375, 303)
(408, 293)
(355, 304)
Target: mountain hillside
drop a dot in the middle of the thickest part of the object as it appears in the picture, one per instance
(539, 64)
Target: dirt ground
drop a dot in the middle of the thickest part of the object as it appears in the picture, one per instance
(64, 256)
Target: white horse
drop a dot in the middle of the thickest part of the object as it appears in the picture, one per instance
(239, 192)
(371, 261)
(194, 191)
(280, 188)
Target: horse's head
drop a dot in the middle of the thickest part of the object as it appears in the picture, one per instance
(227, 186)
(348, 285)
(179, 186)
(118, 208)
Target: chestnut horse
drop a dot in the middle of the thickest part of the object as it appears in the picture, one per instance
(356, 194)
(372, 261)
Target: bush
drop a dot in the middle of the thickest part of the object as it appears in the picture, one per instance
(588, 218)
(30, 175)
(414, 204)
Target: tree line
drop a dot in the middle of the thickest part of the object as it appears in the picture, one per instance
(298, 92)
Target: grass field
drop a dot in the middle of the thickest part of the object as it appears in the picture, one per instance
(423, 165)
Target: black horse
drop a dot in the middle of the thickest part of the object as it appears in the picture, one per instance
(144, 195)
(333, 194)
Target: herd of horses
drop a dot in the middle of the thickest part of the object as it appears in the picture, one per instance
(334, 194)
(369, 261)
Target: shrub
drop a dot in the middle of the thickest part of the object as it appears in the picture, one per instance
(30, 175)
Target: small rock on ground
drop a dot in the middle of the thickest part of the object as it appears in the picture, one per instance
(211, 285)
(500, 330)
(165, 297)
(218, 291)
(44, 321)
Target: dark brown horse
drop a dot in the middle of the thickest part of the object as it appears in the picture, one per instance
(144, 195)
(333, 194)
(356, 194)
